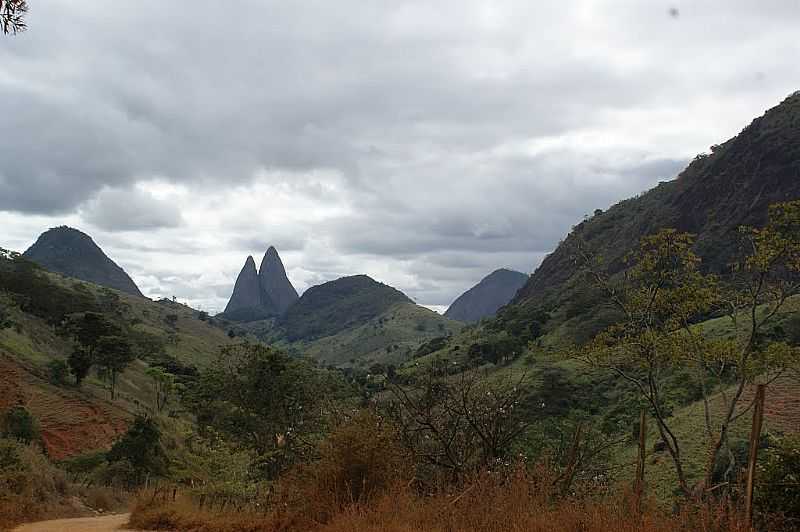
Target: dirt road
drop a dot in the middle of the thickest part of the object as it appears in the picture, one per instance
(106, 523)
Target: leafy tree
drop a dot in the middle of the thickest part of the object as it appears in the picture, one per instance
(88, 330)
(147, 346)
(113, 354)
(19, 424)
(163, 387)
(141, 448)
(80, 361)
(12, 15)
(664, 293)
(57, 371)
(764, 279)
(265, 401)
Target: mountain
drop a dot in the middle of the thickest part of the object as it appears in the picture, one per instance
(718, 192)
(485, 298)
(354, 321)
(334, 306)
(248, 301)
(274, 282)
(260, 295)
(72, 253)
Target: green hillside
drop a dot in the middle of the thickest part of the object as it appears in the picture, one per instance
(35, 303)
(389, 338)
(716, 194)
(334, 306)
(353, 321)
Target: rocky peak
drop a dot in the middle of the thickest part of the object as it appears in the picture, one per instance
(274, 282)
(246, 291)
(73, 253)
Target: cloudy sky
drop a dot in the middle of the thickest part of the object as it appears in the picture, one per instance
(424, 143)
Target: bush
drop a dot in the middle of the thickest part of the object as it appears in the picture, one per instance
(57, 371)
(30, 486)
(358, 462)
(138, 453)
(18, 424)
(5, 316)
(778, 486)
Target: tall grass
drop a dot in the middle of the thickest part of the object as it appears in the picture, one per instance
(364, 481)
(519, 501)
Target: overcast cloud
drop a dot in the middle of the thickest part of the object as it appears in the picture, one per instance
(423, 143)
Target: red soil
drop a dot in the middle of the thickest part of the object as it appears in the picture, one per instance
(71, 422)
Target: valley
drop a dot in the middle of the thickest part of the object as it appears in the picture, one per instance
(644, 377)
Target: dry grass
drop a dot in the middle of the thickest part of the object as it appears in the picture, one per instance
(30, 487)
(363, 482)
(520, 501)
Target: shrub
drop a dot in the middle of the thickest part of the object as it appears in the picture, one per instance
(778, 486)
(18, 424)
(57, 371)
(138, 453)
(5, 316)
(30, 486)
(358, 462)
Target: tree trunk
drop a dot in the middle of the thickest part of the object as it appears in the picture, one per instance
(755, 436)
(641, 459)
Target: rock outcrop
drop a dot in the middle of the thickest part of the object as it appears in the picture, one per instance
(274, 282)
(266, 293)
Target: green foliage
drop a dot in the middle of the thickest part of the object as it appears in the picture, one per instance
(431, 346)
(264, 400)
(80, 362)
(113, 354)
(171, 320)
(778, 486)
(147, 346)
(90, 330)
(163, 387)
(57, 371)
(34, 292)
(18, 424)
(5, 315)
(138, 453)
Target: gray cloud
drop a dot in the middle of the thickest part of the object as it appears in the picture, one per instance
(423, 143)
(129, 210)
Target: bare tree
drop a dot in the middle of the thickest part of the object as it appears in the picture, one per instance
(459, 423)
(12, 16)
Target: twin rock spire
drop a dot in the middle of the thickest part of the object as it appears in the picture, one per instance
(263, 294)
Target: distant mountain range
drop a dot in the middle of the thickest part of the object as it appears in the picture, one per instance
(485, 298)
(357, 317)
(73, 253)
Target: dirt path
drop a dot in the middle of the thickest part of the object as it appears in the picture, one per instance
(106, 523)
